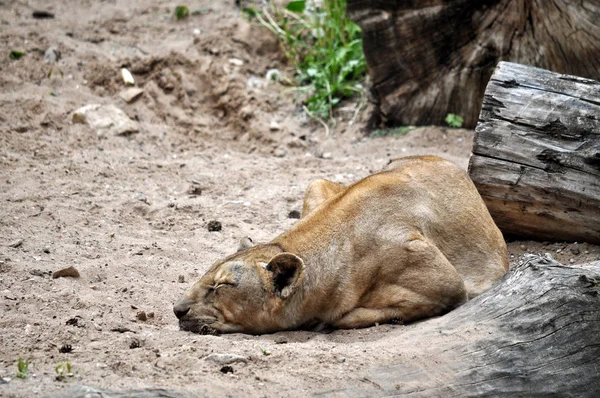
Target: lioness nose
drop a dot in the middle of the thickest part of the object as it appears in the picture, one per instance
(181, 308)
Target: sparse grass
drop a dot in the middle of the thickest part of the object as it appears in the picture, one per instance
(63, 369)
(182, 12)
(22, 368)
(322, 45)
(454, 121)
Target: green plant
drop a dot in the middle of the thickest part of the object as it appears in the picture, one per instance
(63, 369)
(454, 121)
(323, 47)
(182, 12)
(22, 366)
(16, 54)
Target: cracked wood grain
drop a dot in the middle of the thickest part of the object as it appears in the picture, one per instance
(536, 154)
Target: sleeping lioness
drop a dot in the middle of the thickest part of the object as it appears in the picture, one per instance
(412, 241)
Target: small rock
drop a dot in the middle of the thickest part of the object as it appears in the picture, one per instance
(66, 272)
(141, 316)
(294, 214)
(280, 340)
(236, 61)
(225, 359)
(141, 197)
(65, 349)
(326, 155)
(135, 343)
(575, 250)
(151, 315)
(195, 190)
(46, 250)
(131, 94)
(127, 77)
(255, 82)
(196, 32)
(41, 14)
(214, 226)
(16, 243)
(523, 247)
(279, 152)
(181, 279)
(558, 250)
(587, 252)
(571, 260)
(52, 55)
(274, 126)
(226, 369)
(105, 120)
(341, 359)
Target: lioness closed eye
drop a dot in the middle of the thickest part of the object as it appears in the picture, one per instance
(412, 241)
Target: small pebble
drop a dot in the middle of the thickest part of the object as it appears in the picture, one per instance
(226, 369)
(46, 250)
(151, 315)
(52, 55)
(294, 214)
(66, 272)
(16, 243)
(523, 247)
(181, 279)
(214, 226)
(141, 316)
(279, 152)
(280, 340)
(341, 359)
(274, 126)
(558, 250)
(587, 252)
(326, 155)
(575, 250)
(571, 260)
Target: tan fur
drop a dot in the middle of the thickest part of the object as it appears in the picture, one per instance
(412, 241)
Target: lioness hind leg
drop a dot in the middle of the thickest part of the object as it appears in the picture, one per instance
(421, 283)
(318, 192)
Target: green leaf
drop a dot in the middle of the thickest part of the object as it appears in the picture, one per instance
(182, 12)
(16, 54)
(296, 6)
(250, 12)
(454, 121)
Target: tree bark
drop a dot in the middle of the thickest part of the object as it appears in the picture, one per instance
(536, 154)
(430, 58)
(535, 334)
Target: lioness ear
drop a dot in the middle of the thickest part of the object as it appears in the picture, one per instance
(245, 243)
(288, 272)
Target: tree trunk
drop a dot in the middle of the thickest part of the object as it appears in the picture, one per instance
(535, 334)
(536, 154)
(430, 58)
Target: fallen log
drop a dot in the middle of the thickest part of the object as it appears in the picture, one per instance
(430, 58)
(535, 334)
(536, 154)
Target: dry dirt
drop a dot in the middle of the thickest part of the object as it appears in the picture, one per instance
(130, 213)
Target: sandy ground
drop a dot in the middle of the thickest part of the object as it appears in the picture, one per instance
(130, 213)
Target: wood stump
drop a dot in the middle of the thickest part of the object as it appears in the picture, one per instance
(430, 58)
(536, 154)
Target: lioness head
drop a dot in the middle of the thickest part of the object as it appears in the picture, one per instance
(242, 293)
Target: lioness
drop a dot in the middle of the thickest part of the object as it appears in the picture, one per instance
(412, 241)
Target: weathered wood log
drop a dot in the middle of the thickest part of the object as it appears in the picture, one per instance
(535, 334)
(536, 154)
(430, 58)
